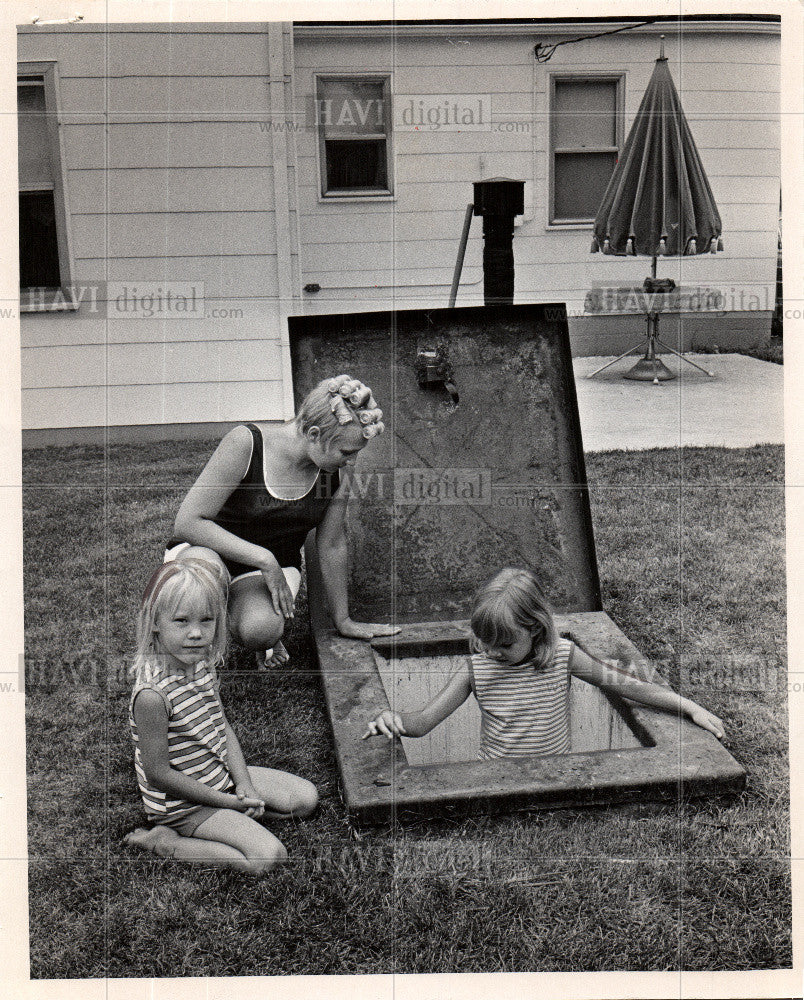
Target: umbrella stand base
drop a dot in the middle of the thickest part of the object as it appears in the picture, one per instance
(649, 369)
(683, 358)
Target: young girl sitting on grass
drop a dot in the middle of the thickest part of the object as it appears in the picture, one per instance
(520, 674)
(202, 798)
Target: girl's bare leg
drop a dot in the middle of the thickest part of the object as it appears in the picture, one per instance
(227, 839)
(260, 849)
(286, 796)
(167, 843)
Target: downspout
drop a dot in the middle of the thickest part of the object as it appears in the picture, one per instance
(283, 160)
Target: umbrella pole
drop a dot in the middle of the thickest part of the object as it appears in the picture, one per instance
(650, 368)
(661, 343)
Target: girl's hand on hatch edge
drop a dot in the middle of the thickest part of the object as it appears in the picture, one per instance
(387, 724)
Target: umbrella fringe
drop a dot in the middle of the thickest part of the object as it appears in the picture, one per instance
(659, 184)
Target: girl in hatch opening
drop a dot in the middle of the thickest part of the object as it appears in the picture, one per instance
(520, 674)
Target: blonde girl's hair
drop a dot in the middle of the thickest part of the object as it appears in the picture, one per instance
(168, 586)
(513, 599)
(337, 402)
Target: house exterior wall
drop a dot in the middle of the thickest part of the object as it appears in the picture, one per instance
(172, 177)
(372, 255)
(191, 157)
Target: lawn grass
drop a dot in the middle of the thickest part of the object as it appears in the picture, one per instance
(690, 547)
(771, 350)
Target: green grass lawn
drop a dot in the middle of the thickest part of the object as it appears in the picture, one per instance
(690, 547)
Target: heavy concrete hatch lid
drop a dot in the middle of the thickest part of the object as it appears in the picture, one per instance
(481, 464)
(481, 467)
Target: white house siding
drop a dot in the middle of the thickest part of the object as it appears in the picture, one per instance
(370, 255)
(170, 177)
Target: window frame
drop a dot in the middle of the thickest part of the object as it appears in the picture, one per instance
(63, 297)
(355, 194)
(616, 77)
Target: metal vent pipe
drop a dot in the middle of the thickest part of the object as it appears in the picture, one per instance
(498, 200)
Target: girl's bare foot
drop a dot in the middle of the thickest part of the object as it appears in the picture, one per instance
(276, 657)
(159, 840)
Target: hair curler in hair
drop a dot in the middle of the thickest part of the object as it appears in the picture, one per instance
(334, 384)
(342, 412)
(369, 416)
(371, 430)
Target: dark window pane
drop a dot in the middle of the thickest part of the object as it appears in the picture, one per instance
(39, 249)
(351, 106)
(34, 145)
(580, 182)
(584, 113)
(356, 163)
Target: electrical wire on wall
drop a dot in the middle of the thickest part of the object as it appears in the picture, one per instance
(544, 52)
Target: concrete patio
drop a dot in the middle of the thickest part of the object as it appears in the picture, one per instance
(740, 407)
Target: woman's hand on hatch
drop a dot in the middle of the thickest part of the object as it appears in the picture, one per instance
(365, 630)
(706, 720)
(387, 724)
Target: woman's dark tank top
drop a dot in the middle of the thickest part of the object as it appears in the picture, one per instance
(254, 514)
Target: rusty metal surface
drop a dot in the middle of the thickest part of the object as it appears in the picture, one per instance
(511, 487)
(379, 784)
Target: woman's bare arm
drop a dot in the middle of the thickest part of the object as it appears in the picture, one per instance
(333, 554)
(218, 480)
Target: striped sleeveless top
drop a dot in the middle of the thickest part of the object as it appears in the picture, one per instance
(523, 709)
(196, 739)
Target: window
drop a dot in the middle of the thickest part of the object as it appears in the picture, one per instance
(585, 140)
(353, 115)
(43, 246)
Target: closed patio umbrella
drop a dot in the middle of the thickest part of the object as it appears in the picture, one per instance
(658, 202)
